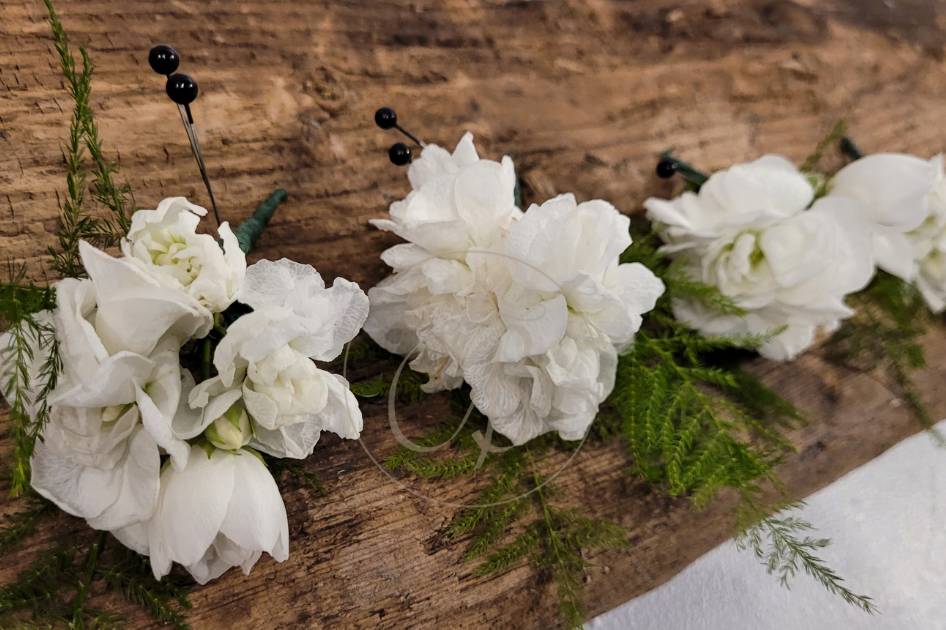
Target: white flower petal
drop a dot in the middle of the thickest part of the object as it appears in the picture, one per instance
(192, 506)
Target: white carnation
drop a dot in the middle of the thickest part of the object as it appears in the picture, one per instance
(788, 267)
(458, 201)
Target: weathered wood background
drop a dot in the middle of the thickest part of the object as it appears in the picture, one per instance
(583, 95)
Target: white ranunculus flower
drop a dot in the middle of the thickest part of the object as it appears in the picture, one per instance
(317, 321)
(455, 219)
(222, 510)
(531, 317)
(288, 398)
(789, 270)
(904, 198)
(165, 243)
(458, 202)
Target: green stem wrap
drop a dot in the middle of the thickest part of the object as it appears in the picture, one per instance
(249, 231)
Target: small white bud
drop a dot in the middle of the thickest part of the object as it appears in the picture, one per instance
(232, 430)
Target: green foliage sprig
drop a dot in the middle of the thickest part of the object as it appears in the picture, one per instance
(27, 334)
(75, 223)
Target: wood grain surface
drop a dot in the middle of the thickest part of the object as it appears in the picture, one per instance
(583, 95)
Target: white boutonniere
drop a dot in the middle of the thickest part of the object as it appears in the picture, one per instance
(756, 232)
(530, 309)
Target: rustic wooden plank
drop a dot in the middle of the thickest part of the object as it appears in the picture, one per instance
(583, 95)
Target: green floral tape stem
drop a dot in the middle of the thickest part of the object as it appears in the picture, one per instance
(249, 231)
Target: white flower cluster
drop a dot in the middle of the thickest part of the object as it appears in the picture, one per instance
(756, 232)
(124, 403)
(529, 308)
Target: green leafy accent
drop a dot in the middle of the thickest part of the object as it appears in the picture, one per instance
(454, 462)
(811, 163)
(75, 223)
(695, 423)
(164, 600)
(53, 591)
(516, 499)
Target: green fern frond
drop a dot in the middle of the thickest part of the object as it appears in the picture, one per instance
(33, 588)
(26, 334)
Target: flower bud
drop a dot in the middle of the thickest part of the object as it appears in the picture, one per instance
(231, 430)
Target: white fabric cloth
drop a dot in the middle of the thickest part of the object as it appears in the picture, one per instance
(887, 524)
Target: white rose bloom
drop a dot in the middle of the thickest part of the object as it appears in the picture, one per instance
(531, 316)
(789, 269)
(288, 398)
(165, 243)
(222, 510)
(904, 198)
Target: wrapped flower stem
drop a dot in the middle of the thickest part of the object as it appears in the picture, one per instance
(249, 231)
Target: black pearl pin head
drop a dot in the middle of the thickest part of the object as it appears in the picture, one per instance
(399, 154)
(666, 168)
(386, 118)
(164, 59)
(182, 89)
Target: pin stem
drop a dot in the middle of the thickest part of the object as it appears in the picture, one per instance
(410, 136)
(188, 120)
